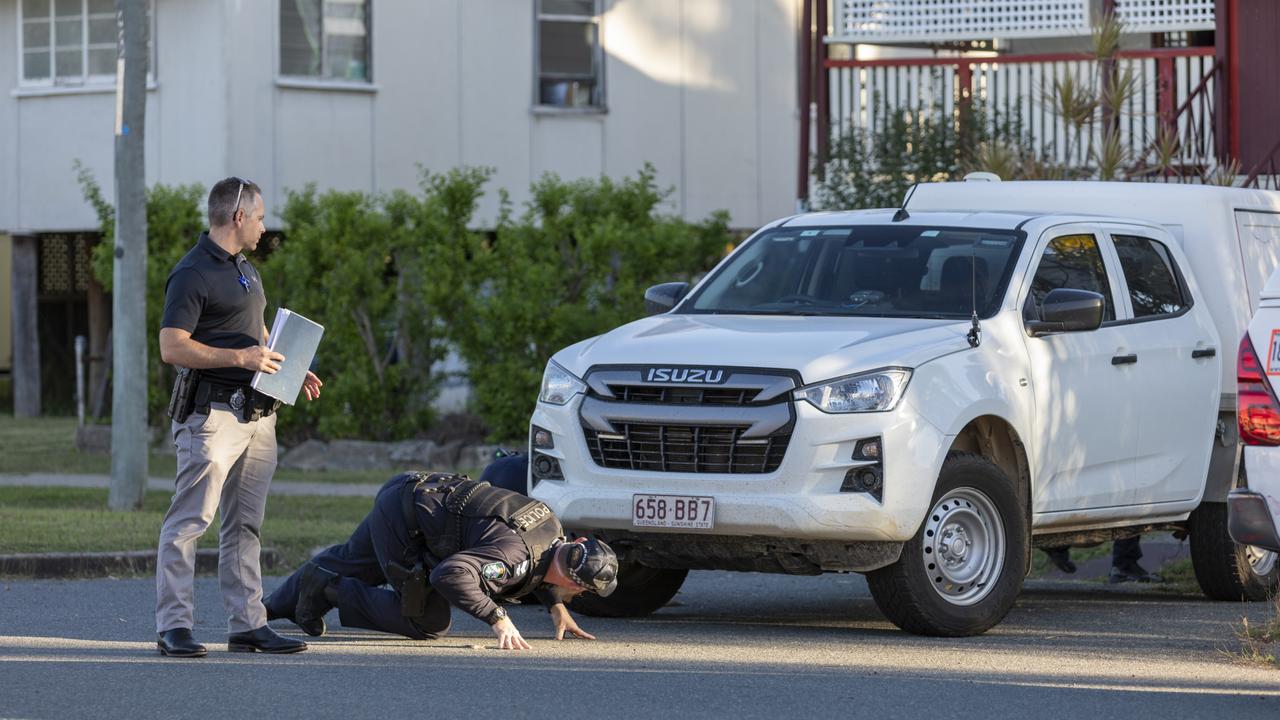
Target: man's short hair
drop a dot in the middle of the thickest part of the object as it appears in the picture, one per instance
(222, 199)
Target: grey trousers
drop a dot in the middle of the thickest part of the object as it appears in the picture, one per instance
(222, 461)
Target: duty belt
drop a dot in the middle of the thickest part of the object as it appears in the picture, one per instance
(244, 400)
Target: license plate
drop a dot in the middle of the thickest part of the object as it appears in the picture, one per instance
(693, 512)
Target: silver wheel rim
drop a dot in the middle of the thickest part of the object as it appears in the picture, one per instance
(964, 546)
(1261, 561)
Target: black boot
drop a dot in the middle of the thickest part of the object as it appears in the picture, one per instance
(313, 601)
(1061, 557)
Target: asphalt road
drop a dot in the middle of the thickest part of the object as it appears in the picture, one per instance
(732, 646)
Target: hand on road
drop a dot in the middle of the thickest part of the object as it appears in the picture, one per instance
(260, 359)
(508, 636)
(564, 622)
(311, 386)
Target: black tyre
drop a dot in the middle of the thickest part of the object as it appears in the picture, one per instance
(1225, 570)
(641, 590)
(962, 571)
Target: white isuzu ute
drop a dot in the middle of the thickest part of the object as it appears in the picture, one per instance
(923, 395)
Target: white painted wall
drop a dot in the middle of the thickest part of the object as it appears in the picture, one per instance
(704, 90)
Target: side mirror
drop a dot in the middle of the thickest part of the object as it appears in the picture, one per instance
(661, 298)
(1068, 310)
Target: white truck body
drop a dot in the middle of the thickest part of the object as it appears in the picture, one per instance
(1102, 429)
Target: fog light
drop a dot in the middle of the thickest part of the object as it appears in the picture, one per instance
(867, 480)
(541, 437)
(546, 467)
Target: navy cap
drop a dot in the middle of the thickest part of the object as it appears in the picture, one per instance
(592, 565)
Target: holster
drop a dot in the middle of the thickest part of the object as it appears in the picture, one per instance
(413, 586)
(183, 399)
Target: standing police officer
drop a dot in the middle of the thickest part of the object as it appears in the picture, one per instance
(444, 540)
(223, 430)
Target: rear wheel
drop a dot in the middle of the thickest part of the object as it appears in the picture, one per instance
(1225, 570)
(963, 570)
(641, 590)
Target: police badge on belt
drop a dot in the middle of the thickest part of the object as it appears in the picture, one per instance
(236, 401)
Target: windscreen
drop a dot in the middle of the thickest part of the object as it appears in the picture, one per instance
(871, 270)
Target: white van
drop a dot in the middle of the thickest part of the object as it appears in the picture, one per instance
(922, 395)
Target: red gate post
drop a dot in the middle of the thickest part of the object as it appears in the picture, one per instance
(1166, 97)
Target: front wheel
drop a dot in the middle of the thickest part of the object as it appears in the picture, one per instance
(962, 572)
(641, 590)
(1225, 570)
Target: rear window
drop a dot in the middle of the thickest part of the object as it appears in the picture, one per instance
(1151, 276)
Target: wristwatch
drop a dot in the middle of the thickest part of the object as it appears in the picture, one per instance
(498, 615)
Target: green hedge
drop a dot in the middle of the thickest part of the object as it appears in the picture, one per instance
(398, 279)
(574, 265)
(174, 219)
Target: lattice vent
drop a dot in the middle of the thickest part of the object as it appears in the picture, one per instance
(951, 20)
(1165, 15)
(925, 20)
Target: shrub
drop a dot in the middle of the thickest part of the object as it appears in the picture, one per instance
(574, 265)
(174, 221)
(370, 269)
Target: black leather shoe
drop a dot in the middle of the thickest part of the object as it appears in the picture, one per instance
(312, 603)
(264, 640)
(178, 642)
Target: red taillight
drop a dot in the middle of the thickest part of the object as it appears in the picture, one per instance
(1257, 411)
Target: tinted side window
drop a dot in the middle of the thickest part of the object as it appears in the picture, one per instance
(1072, 261)
(1148, 269)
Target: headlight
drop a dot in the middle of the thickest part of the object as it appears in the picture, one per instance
(559, 385)
(871, 392)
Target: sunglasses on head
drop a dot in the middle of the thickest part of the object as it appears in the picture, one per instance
(239, 190)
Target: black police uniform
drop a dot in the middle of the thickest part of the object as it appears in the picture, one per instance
(492, 563)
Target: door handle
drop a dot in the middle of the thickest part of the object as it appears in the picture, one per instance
(1203, 353)
(1124, 360)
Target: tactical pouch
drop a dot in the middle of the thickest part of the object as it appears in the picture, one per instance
(413, 585)
(183, 399)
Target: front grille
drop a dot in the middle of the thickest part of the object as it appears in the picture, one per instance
(676, 395)
(685, 448)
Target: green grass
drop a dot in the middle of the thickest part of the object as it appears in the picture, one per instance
(1179, 578)
(48, 445)
(44, 519)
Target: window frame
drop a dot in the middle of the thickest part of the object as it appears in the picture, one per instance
(601, 104)
(85, 80)
(1029, 312)
(1178, 278)
(323, 81)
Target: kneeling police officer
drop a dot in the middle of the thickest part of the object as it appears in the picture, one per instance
(441, 540)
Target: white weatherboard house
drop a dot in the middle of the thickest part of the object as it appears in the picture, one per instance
(357, 94)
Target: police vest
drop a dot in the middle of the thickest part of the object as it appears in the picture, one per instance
(531, 520)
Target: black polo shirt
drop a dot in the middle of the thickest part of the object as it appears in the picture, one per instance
(218, 298)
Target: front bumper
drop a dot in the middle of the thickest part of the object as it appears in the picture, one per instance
(800, 501)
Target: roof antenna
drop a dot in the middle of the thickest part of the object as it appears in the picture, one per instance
(902, 211)
(975, 332)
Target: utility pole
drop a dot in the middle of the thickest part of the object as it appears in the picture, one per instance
(129, 433)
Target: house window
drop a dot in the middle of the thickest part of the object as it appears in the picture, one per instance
(68, 42)
(570, 64)
(326, 39)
